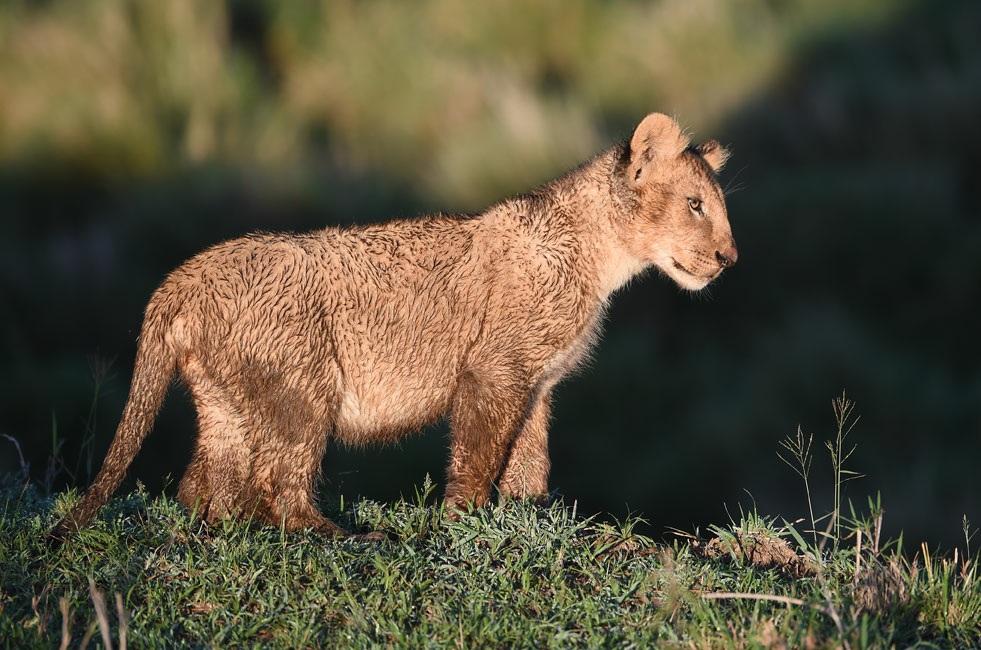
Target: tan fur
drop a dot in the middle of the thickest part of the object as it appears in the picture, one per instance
(365, 334)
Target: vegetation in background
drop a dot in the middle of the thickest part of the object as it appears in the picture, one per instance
(443, 95)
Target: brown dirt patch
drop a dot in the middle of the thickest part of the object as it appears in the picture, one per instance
(759, 550)
(880, 588)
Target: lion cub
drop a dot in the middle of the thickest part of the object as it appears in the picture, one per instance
(365, 334)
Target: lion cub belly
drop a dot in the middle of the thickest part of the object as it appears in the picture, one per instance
(388, 404)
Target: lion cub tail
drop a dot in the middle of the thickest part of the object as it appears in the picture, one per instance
(152, 375)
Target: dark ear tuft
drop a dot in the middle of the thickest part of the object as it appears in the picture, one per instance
(714, 154)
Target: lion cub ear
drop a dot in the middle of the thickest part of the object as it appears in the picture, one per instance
(714, 154)
(657, 137)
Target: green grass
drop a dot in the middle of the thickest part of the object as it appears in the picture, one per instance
(516, 575)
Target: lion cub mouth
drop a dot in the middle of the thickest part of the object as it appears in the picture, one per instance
(684, 269)
(678, 265)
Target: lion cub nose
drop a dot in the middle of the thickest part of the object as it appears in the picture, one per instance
(727, 257)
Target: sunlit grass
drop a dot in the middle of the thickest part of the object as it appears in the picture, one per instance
(513, 575)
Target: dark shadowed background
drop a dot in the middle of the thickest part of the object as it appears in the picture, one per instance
(133, 134)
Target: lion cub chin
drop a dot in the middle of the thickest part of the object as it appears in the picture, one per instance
(365, 334)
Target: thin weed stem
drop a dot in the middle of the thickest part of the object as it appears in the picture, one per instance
(801, 456)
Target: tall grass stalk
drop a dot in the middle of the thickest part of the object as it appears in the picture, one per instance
(845, 421)
(968, 535)
(801, 456)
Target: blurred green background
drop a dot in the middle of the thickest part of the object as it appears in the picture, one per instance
(134, 133)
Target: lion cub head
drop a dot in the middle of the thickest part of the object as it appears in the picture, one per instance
(678, 220)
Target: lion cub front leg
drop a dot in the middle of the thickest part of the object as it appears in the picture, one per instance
(487, 412)
(525, 473)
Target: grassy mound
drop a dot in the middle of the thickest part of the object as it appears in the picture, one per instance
(516, 575)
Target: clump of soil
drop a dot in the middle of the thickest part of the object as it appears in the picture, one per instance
(880, 588)
(759, 550)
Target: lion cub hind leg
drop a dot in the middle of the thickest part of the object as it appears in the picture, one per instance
(216, 483)
(290, 436)
(194, 490)
(286, 476)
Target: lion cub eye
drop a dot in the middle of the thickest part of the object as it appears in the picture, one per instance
(695, 205)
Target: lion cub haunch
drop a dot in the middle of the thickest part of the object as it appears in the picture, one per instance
(367, 333)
